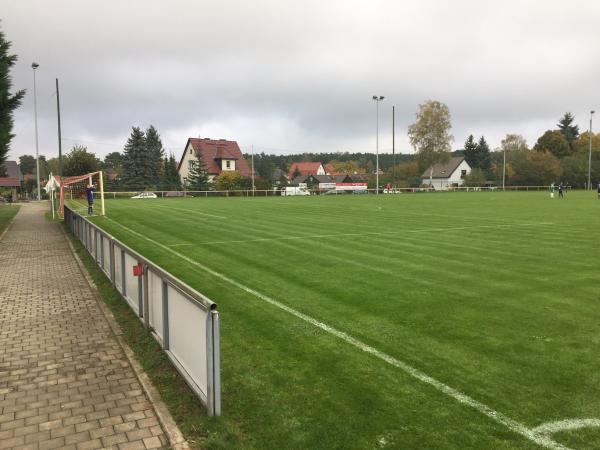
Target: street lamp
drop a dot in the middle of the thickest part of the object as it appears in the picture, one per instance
(590, 155)
(37, 157)
(377, 98)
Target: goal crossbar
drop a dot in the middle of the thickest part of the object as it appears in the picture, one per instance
(74, 180)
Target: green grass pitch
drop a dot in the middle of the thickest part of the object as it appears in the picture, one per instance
(490, 296)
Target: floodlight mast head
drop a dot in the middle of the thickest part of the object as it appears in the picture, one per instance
(34, 65)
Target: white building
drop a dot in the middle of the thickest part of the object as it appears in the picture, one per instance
(448, 174)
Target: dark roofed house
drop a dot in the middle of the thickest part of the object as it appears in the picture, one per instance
(448, 174)
(13, 180)
(218, 156)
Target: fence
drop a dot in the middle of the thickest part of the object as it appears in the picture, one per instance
(183, 321)
(277, 193)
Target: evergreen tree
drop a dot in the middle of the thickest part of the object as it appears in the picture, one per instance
(155, 154)
(567, 129)
(8, 102)
(471, 151)
(197, 179)
(171, 179)
(137, 168)
(484, 160)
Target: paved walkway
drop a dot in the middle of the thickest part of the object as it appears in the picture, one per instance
(64, 380)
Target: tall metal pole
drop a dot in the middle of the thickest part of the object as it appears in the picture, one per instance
(393, 146)
(377, 99)
(253, 188)
(37, 156)
(59, 134)
(590, 155)
(503, 168)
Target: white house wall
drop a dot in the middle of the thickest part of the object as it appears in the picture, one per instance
(189, 155)
(442, 184)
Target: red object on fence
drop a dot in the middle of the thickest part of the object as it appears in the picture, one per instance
(138, 270)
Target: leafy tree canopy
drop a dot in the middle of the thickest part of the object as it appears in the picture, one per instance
(554, 142)
(79, 161)
(430, 134)
(27, 164)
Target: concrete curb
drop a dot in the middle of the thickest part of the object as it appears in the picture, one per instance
(176, 438)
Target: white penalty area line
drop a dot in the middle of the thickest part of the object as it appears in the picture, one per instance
(372, 233)
(540, 438)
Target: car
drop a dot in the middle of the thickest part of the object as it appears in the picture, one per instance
(145, 195)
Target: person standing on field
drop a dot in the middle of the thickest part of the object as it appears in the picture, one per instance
(561, 189)
(552, 187)
(89, 192)
(598, 191)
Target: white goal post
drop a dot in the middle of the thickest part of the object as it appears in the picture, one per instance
(73, 188)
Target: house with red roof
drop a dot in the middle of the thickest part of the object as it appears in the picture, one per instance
(305, 168)
(13, 181)
(217, 156)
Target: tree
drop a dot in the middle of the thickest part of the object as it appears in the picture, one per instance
(542, 168)
(197, 179)
(171, 179)
(79, 162)
(155, 153)
(137, 169)
(27, 164)
(52, 165)
(569, 131)
(430, 134)
(582, 144)
(471, 151)
(8, 102)
(554, 142)
(513, 143)
(231, 181)
(475, 178)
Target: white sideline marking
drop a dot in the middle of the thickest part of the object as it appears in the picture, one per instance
(178, 245)
(541, 439)
(372, 233)
(191, 211)
(565, 425)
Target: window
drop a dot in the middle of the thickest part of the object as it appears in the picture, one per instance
(228, 164)
(190, 164)
(463, 173)
(190, 151)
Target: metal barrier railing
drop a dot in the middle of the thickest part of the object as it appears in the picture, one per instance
(183, 321)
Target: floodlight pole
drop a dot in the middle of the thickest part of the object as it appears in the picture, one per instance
(590, 155)
(252, 150)
(393, 146)
(34, 66)
(59, 133)
(503, 168)
(377, 98)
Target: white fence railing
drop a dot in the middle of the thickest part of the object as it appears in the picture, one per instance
(277, 192)
(183, 321)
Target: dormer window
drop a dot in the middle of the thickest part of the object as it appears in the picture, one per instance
(228, 164)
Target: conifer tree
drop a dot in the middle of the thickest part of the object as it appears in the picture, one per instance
(137, 169)
(155, 154)
(171, 179)
(197, 179)
(567, 129)
(8, 102)
(484, 160)
(471, 151)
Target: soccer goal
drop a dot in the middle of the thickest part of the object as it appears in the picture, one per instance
(79, 190)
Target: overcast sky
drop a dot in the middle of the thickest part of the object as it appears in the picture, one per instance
(295, 76)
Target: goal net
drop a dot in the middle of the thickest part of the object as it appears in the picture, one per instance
(84, 193)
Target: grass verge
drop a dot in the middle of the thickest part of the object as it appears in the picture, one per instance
(199, 430)
(7, 212)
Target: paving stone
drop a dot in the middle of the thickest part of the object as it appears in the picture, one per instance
(64, 379)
